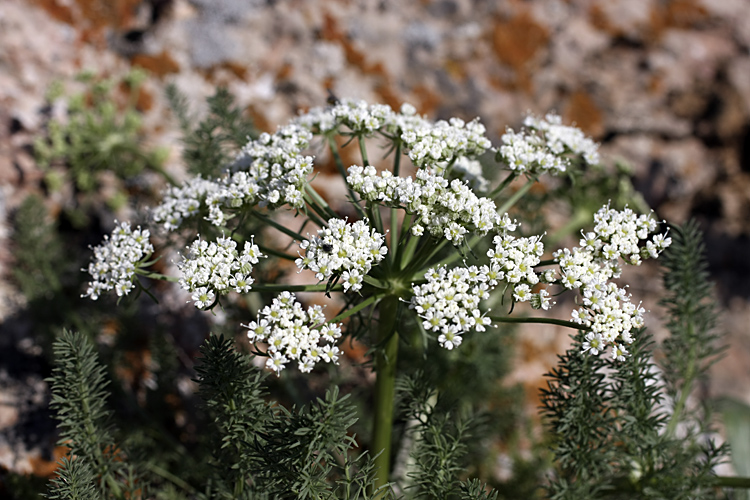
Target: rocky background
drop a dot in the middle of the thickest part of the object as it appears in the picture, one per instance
(663, 84)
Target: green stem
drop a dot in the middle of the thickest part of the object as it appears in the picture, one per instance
(342, 171)
(579, 219)
(267, 220)
(159, 471)
(516, 196)
(386, 340)
(320, 201)
(502, 185)
(549, 321)
(548, 262)
(156, 276)
(369, 300)
(363, 151)
(320, 221)
(276, 253)
(394, 213)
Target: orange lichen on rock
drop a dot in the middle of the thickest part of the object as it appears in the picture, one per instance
(683, 14)
(428, 99)
(57, 10)
(144, 101)
(516, 42)
(93, 18)
(160, 64)
(586, 115)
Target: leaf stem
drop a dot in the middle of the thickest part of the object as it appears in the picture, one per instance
(549, 321)
(515, 197)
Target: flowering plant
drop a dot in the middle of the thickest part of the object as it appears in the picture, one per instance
(403, 246)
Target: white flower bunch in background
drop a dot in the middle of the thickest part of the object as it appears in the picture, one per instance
(545, 146)
(439, 144)
(470, 171)
(116, 260)
(216, 267)
(448, 209)
(294, 334)
(428, 143)
(345, 250)
(180, 203)
(562, 138)
(269, 172)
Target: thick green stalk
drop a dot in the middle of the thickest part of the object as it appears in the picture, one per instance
(386, 340)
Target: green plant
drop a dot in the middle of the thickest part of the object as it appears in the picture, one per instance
(100, 133)
(626, 429)
(412, 266)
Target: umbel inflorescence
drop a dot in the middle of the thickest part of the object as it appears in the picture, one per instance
(399, 244)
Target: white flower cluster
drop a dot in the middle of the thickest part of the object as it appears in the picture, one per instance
(180, 203)
(516, 257)
(448, 209)
(542, 149)
(345, 250)
(217, 267)
(359, 116)
(607, 309)
(270, 171)
(440, 143)
(561, 138)
(449, 302)
(428, 143)
(293, 334)
(116, 259)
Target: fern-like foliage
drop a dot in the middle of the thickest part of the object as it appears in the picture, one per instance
(75, 481)
(265, 449)
(441, 439)
(693, 346)
(79, 395)
(232, 393)
(614, 424)
(209, 146)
